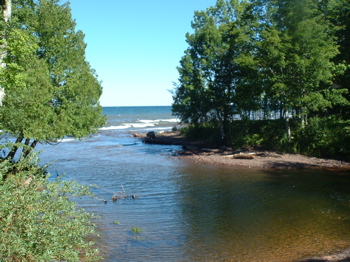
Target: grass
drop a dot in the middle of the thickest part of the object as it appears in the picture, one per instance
(136, 230)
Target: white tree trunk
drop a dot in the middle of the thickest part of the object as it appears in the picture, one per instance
(6, 13)
(7, 10)
(289, 135)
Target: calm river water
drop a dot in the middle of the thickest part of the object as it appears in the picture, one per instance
(193, 212)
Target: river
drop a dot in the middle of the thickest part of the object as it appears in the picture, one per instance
(194, 212)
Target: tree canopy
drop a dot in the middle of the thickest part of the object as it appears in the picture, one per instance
(264, 59)
(51, 90)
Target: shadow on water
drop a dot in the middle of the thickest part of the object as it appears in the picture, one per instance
(247, 215)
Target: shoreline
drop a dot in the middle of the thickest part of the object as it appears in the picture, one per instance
(196, 151)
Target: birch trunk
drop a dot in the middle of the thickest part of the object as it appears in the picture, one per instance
(289, 135)
(6, 14)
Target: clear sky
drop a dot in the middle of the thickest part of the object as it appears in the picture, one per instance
(136, 45)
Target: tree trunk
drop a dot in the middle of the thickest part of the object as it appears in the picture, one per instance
(6, 14)
(25, 149)
(14, 149)
(29, 150)
(288, 126)
(6, 9)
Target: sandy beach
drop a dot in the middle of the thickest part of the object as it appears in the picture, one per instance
(198, 152)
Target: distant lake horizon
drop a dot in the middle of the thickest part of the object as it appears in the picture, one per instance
(139, 118)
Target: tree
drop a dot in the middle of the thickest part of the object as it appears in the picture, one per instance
(214, 69)
(47, 73)
(27, 109)
(190, 96)
(338, 13)
(297, 48)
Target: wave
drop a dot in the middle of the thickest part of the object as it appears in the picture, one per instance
(113, 127)
(142, 124)
(68, 140)
(125, 126)
(72, 139)
(172, 120)
(175, 120)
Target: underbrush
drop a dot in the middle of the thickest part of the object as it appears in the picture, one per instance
(321, 137)
(38, 220)
(324, 137)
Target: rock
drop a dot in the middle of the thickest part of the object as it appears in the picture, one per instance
(190, 147)
(151, 135)
(137, 135)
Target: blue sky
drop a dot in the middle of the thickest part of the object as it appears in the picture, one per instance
(136, 45)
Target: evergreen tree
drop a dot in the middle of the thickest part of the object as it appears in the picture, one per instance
(51, 89)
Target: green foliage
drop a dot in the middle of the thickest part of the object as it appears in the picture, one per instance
(263, 133)
(321, 137)
(208, 133)
(296, 53)
(325, 137)
(216, 67)
(253, 140)
(280, 60)
(136, 230)
(339, 15)
(51, 91)
(38, 221)
(26, 107)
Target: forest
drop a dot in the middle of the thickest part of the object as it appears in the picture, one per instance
(271, 74)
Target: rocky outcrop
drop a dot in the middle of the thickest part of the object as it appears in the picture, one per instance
(151, 135)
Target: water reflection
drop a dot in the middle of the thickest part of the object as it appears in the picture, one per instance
(192, 212)
(246, 215)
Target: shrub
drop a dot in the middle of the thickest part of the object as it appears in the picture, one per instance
(266, 133)
(206, 132)
(38, 221)
(253, 140)
(325, 137)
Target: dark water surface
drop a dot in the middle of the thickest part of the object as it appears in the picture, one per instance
(192, 212)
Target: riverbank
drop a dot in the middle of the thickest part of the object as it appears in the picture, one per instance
(197, 151)
(343, 256)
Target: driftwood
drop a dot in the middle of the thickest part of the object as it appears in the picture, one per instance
(241, 156)
(116, 195)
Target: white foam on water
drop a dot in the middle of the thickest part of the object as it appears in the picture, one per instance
(114, 127)
(68, 139)
(171, 120)
(141, 124)
(149, 121)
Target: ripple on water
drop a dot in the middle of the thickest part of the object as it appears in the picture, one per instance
(195, 212)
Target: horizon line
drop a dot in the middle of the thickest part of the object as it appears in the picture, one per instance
(135, 106)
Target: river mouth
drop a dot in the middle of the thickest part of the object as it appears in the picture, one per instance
(199, 212)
